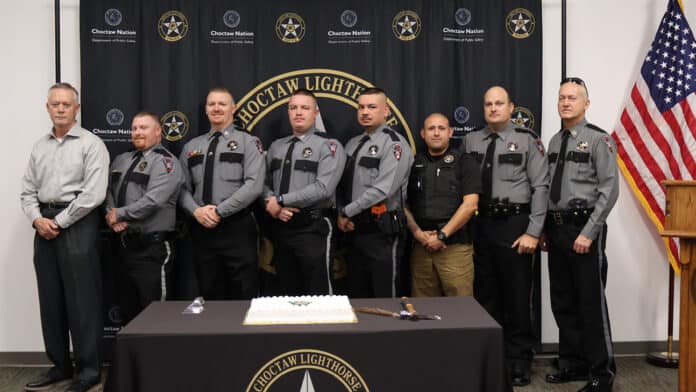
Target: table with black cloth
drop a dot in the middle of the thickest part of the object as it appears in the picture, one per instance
(165, 350)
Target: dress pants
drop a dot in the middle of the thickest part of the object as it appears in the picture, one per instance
(68, 274)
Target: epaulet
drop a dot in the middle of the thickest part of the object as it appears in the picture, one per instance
(527, 131)
(321, 134)
(480, 127)
(162, 151)
(394, 137)
(596, 128)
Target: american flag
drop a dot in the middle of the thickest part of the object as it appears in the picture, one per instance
(656, 132)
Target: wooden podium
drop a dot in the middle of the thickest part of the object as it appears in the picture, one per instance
(680, 221)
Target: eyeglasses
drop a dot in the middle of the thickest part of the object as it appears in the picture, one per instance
(573, 79)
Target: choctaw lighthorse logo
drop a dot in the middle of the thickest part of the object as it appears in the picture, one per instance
(175, 125)
(172, 26)
(290, 28)
(324, 83)
(523, 117)
(406, 25)
(291, 364)
(520, 23)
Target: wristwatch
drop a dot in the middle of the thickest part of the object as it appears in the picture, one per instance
(441, 236)
(280, 201)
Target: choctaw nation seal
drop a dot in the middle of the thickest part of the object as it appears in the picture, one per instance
(343, 377)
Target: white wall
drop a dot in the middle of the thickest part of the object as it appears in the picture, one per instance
(606, 41)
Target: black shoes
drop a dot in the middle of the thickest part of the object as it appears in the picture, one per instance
(566, 375)
(81, 385)
(44, 382)
(520, 379)
(597, 386)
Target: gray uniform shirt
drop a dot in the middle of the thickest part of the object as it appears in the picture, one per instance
(382, 168)
(238, 176)
(520, 169)
(74, 171)
(151, 193)
(317, 164)
(590, 173)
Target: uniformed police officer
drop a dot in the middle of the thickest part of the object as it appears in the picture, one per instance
(303, 171)
(373, 191)
(584, 188)
(514, 176)
(65, 182)
(443, 193)
(224, 171)
(141, 208)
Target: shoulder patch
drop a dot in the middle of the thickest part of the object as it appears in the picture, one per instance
(596, 128)
(392, 134)
(168, 164)
(259, 145)
(396, 149)
(333, 147)
(162, 151)
(608, 142)
(540, 146)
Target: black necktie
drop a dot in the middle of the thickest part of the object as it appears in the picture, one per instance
(558, 172)
(121, 199)
(208, 171)
(487, 172)
(350, 170)
(287, 168)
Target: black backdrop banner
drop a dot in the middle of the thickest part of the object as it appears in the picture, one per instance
(434, 55)
(428, 55)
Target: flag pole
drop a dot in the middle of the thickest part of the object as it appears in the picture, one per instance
(56, 15)
(667, 359)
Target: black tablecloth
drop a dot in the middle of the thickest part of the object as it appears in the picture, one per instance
(164, 350)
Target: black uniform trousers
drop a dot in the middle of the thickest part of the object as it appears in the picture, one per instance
(578, 302)
(373, 262)
(148, 270)
(303, 257)
(68, 274)
(226, 258)
(503, 284)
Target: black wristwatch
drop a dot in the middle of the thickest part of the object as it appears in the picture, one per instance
(280, 201)
(441, 236)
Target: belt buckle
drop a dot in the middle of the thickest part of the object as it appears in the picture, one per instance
(557, 217)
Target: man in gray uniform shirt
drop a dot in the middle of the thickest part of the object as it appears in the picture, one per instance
(224, 171)
(512, 207)
(584, 188)
(141, 208)
(63, 185)
(373, 191)
(303, 171)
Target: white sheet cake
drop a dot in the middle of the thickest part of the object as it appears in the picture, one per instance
(306, 309)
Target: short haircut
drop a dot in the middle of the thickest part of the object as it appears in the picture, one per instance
(152, 115)
(436, 114)
(304, 91)
(578, 81)
(372, 91)
(65, 86)
(221, 89)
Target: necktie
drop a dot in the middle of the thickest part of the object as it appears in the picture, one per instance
(558, 172)
(208, 171)
(287, 168)
(350, 170)
(487, 172)
(121, 199)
